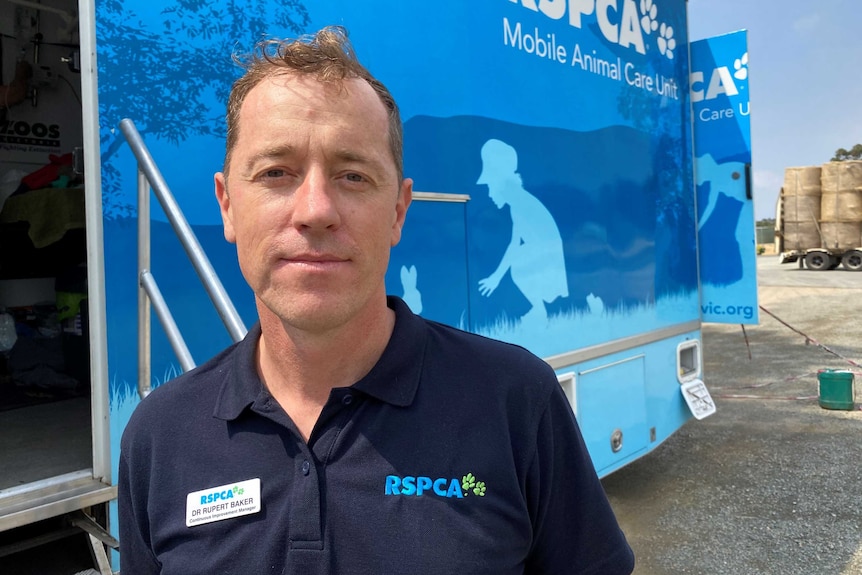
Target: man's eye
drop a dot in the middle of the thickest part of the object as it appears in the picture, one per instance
(354, 177)
(273, 173)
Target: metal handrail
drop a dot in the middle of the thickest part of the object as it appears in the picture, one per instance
(149, 177)
(163, 312)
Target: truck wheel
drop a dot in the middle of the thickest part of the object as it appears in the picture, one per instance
(852, 261)
(818, 261)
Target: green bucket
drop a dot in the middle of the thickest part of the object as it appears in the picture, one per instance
(836, 389)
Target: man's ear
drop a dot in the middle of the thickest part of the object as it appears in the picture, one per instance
(223, 198)
(405, 196)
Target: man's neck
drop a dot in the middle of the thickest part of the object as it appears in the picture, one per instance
(300, 368)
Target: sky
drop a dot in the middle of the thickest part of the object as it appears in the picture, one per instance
(805, 80)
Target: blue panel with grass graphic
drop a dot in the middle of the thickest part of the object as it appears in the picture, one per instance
(569, 131)
(722, 139)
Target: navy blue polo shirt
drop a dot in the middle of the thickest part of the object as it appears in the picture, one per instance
(455, 454)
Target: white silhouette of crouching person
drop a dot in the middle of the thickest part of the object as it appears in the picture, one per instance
(535, 253)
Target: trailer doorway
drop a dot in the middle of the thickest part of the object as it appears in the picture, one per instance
(46, 438)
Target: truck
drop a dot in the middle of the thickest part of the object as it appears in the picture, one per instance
(630, 140)
(818, 218)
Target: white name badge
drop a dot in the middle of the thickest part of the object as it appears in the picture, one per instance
(223, 502)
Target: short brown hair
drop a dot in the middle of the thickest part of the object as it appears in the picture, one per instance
(327, 55)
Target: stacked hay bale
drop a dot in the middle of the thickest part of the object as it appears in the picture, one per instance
(802, 206)
(841, 205)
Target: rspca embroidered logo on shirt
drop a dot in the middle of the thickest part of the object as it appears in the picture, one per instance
(442, 487)
(223, 502)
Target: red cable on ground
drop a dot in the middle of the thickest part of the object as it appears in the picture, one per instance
(808, 340)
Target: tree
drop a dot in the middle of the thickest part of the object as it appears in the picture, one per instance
(166, 77)
(855, 153)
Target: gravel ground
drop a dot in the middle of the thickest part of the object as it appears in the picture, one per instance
(771, 482)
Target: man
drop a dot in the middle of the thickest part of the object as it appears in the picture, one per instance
(345, 434)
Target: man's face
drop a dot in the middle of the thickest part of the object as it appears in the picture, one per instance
(313, 200)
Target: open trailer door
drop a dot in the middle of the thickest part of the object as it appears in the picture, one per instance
(725, 203)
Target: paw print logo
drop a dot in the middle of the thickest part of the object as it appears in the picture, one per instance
(469, 484)
(649, 11)
(740, 66)
(666, 41)
(238, 490)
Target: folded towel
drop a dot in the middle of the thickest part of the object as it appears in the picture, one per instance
(51, 212)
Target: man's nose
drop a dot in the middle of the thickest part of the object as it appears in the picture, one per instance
(315, 204)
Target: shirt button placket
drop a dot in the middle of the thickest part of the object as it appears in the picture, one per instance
(305, 518)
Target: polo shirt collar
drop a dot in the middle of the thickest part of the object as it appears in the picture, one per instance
(241, 385)
(394, 379)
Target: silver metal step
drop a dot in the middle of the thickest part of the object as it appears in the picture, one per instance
(51, 497)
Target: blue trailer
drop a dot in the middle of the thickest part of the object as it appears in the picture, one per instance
(574, 163)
